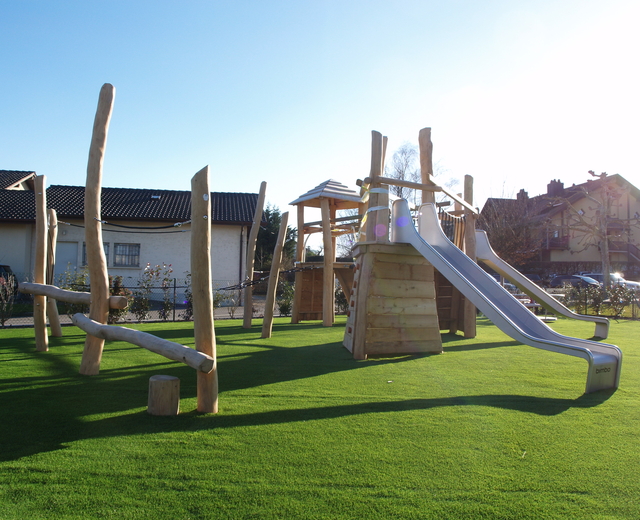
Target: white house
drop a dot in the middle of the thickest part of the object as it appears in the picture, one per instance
(140, 227)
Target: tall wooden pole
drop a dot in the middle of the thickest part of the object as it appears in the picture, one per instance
(297, 294)
(52, 307)
(40, 272)
(274, 275)
(426, 163)
(201, 287)
(469, 327)
(328, 278)
(99, 308)
(251, 254)
(378, 211)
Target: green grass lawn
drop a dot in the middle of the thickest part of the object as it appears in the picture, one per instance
(490, 429)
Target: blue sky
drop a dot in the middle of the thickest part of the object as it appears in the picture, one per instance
(517, 92)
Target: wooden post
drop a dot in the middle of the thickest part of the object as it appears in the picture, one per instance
(328, 279)
(251, 253)
(469, 327)
(300, 253)
(99, 309)
(267, 323)
(52, 307)
(377, 215)
(164, 395)
(40, 302)
(426, 163)
(201, 283)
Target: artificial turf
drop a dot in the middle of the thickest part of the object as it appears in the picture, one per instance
(489, 429)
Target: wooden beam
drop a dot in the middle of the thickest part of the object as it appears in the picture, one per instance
(469, 326)
(40, 273)
(334, 220)
(274, 276)
(52, 307)
(405, 184)
(201, 286)
(328, 280)
(377, 227)
(300, 255)
(251, 254)
(63, 295)
(426, 163)
(99, 310)
(198, 360)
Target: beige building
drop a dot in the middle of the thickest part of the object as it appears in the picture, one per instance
(569, 227)
(141, 226)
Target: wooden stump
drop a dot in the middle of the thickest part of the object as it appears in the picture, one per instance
(164, 395)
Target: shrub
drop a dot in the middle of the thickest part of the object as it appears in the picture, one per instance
(141, 306)
(285, 300)
(74, 280)
(342, 302)
(116, 289)
(7, 297)
(187, 315)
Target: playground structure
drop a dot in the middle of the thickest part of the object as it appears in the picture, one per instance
(408, 284)
(314, 296)
(203, 359)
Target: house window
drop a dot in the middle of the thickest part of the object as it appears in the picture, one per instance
(105, 245)
(126, 255)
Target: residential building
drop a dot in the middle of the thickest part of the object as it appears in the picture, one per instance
(568, 228)
(140, 227)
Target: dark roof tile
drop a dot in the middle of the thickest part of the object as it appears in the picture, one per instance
(9, 178)
(129, 204)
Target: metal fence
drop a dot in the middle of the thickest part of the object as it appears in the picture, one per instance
(157, 302)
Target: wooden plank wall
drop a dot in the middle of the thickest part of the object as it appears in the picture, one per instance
(392, 306)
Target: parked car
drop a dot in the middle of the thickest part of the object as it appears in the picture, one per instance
(507, 285)
(535, 278)
(615, 279)
(573, 279)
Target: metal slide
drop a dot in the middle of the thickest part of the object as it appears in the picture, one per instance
(505, 311)
(487, 256)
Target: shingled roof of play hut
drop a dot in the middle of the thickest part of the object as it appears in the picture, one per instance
(344, 197)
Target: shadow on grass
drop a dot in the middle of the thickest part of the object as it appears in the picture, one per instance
(43, 413)
(40, 424)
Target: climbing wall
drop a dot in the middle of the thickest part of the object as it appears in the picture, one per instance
(392, 305)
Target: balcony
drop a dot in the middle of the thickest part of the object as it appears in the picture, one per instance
(556, 242)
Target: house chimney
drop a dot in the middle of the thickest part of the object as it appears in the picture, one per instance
(522, 196)
(555, 188)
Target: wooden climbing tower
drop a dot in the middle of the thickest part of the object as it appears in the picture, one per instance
(397, 296)
(314, 296)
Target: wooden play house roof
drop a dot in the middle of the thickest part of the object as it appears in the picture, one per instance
(344, 197)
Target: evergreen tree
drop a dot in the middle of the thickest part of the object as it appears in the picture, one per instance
(267, 237)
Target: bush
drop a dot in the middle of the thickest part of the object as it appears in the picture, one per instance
(116, 289)
(187, 315)
(141, 306)
(342, 302)
(285, 300)
(74, 280)
(7, 297)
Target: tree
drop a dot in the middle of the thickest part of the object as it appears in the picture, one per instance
(347, 241)
(404, 167)
(512, 229)
(267, 237)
